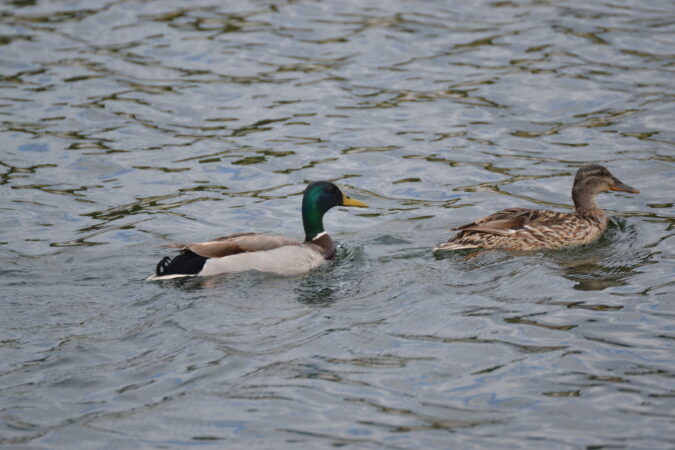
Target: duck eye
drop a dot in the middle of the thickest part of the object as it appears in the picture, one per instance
(331, 189)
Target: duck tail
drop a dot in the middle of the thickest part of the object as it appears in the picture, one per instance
(448, 246)
(162, 265)
(186, 264)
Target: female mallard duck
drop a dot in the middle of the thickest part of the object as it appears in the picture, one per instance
(531, 229)
(273, 253)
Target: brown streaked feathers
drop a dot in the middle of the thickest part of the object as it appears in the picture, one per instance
(527, 229)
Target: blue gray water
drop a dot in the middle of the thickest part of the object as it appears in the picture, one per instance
(129, 124)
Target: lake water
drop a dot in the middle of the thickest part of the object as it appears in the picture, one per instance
(129, 124)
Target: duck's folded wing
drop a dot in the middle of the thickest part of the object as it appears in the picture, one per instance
(233, 244)
(502, 222)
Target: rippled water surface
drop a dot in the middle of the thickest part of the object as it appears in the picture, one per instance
(129, 124)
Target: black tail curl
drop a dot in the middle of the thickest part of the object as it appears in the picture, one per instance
(162, 265)
(186, 263)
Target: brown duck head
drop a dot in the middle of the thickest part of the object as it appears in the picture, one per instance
(593, 179)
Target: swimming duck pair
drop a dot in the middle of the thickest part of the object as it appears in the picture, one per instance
(509, 229)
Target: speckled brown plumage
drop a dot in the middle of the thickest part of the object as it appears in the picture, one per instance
(531, 229)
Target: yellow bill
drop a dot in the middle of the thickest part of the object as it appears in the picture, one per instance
(348, 201)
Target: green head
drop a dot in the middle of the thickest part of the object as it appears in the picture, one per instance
(319, 197)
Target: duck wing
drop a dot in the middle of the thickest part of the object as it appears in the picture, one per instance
(509, 221)
(233, 244)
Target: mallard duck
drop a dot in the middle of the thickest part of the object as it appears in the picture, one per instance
(531, 229)
(272, 253)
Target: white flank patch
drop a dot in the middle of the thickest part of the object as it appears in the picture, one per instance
(167, 277)
(286, 260)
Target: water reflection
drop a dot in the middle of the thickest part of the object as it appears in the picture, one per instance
(610, 262)
(334, 279)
